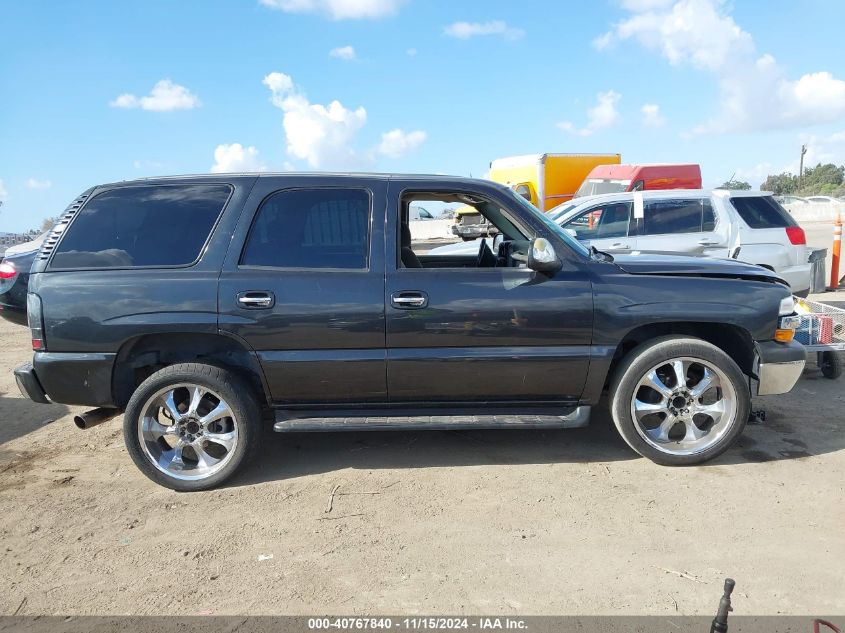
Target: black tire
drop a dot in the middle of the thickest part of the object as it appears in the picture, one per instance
(831, 365)
(639, 362)
(237, 393)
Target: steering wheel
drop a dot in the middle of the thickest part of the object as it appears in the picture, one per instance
(486, 258)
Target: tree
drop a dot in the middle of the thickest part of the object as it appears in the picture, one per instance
(735, 185)
(822, 178)
(825, 180)
(47, 224)
(781, 184)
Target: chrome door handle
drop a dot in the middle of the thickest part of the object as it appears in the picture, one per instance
(256, 299)
(706, 242)
(621, 246)
(408, 300)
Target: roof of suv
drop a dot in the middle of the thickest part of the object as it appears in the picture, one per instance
(669, 193)
(306, 174)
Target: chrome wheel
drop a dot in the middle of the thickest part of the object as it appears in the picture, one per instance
(683, 406)
(187, 431)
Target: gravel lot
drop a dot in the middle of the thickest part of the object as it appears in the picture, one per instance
(526, 522)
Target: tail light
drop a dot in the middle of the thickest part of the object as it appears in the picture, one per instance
(35, 319)
(796, 235)
(7, 270)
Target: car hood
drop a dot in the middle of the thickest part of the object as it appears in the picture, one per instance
(650, 264)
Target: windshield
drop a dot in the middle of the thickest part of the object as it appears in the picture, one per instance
(558, 212)
(593, 186)
(554, 228)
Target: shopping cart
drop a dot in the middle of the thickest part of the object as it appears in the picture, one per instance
(822, 331)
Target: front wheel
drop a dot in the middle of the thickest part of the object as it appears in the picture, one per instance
(679, 401)
(191, 426)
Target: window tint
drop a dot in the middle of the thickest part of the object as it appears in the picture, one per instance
(595, 186)
(762, 212)
(604, 221)
(154, 225)
(708, 221)
(673, 216)
(524, 191)
(311, 228)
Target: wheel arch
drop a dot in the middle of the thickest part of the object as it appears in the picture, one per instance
(141, 356)
(734, 340)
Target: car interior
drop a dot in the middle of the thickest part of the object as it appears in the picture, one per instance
(509, 249)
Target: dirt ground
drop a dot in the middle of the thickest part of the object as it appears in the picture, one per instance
(483, 522)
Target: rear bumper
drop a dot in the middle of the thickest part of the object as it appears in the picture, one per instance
(68, 378)
(29, 385)
(470, 231)
(798, 278)
(13, 313)
(778, 366)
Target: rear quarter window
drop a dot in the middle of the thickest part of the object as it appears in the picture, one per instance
(668, 216)
(145, 226)
(762, 212)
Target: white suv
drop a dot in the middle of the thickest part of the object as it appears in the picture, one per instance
(746, 225)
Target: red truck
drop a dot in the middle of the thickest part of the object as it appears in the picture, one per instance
(616, 178)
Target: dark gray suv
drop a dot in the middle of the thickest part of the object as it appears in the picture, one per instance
(204, 305)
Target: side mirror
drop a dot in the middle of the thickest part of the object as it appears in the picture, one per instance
(542, 256)
(571, 233)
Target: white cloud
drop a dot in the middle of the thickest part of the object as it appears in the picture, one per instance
(644, 5)
(411, 52)
(319, 134)
(164, 97)
(651, 115)
(346, 53)
(600, 116)
(324, 135)
(3, 192)
(234, 157)
(820, 149)
(755, 93)
(147, 164)
(34, 183)
(603, 41)
(397, 143)
(339, 9)
(752, 175)
(466, 30)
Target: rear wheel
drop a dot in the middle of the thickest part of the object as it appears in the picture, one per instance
(679, 401)
(191, 426)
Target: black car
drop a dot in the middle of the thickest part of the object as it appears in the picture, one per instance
(203, 305)
(14, 278)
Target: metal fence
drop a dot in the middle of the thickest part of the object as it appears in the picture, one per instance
(12, 239)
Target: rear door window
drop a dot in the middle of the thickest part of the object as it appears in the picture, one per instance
(311, 228)
(663, 217)
(144, 226)
(762, 212)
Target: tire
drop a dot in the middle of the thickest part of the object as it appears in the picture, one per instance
(831, 365)
(188, 446)
(672, 424)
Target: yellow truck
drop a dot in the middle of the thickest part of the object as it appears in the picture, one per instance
(547, 180)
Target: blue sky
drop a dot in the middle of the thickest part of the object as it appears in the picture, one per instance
(96, 91)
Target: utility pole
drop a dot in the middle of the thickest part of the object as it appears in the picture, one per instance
(801, 168)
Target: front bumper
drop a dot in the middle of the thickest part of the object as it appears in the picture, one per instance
(29, 385)
(778, 366)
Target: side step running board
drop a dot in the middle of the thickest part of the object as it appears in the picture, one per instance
(295, 421)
